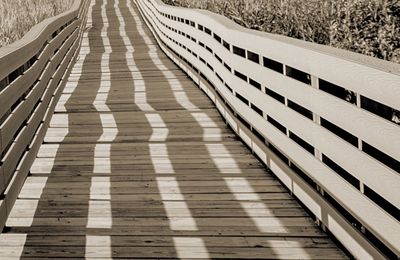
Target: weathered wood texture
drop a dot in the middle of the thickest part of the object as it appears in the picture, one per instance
(138, 163)
(325, 125)
(33, 72)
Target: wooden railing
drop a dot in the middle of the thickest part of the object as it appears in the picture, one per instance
(33, 72)
(324, 121)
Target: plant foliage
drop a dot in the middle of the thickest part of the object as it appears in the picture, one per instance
(17, 17)
(370, 27)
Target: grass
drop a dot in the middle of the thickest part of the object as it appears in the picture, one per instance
(17, 17)
(370, 27)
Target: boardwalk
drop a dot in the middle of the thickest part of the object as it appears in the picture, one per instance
(137, 163)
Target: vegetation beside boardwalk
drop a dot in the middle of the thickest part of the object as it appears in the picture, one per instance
(370, 27)
(17, 17)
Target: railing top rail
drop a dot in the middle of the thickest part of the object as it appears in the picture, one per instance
(17, 53)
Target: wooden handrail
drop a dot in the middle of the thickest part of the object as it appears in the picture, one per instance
(322, 119)
(33, 71)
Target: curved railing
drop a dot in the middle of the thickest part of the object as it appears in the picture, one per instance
(33, 72)
(325, 121)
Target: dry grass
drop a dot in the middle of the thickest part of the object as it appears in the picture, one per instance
(370, 27)
(18, 16)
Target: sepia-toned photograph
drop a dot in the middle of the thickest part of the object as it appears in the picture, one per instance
(199, 129)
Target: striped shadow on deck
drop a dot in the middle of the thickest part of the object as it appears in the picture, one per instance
(137, 163)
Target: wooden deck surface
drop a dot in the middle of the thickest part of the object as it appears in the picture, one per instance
(137, 163)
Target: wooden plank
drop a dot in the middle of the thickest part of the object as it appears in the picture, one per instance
(166, 231)
(126, 241)
(149, 213)
(217, 222)
(50, 206)
(231, 147)
(264, 197)
(190, 252)
(243, 163)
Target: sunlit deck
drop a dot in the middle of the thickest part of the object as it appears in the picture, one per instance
(138, 163)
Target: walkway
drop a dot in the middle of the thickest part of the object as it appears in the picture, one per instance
(138, 163)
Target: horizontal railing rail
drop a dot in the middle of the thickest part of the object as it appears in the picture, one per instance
(33, 71)
(325, 121)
